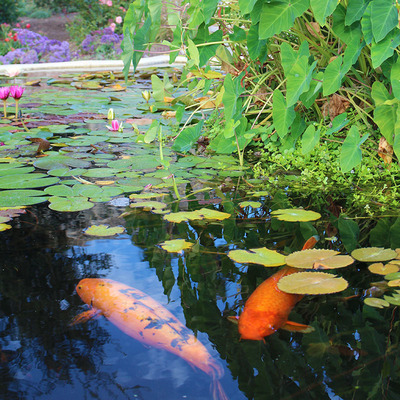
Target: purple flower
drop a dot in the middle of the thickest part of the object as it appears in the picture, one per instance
(16, 92)
(4, 93)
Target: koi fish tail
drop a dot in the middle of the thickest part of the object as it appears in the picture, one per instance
(217, 390)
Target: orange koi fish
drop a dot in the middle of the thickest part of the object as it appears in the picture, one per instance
(268, 308)
(146, 320)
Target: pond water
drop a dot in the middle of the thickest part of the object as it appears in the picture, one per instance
(351, 354)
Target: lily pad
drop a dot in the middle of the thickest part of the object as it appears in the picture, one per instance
(253, 204)
(394, 300)
(4, 227)
(380, 269)
(392, 276)
(376, 302)
(69, 204)
(295, 215)
(149, 205)
(103, 230)
(26, 181)
(18, 198)
(327, 258)
(262, 256)
(176, 245)
(373, 254)
(312, 283)
(203, 213)
(394, 283)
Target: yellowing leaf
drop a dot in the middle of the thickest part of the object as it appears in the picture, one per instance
(253, 204)
(380, 269)
(327, 258)
(146, 195)
(374, 254)
(176, 245)
(149, 205)
(312, 283)
(374, 302)
(295, 214)
(394, 283)
(203, 213)
(103, 230)
(262, 256)
(104, 183)
(4, 227)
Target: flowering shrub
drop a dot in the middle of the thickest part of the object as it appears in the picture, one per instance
(8, 39)
(36, 48)
(9, 11)
(104, 43)
(97, 14)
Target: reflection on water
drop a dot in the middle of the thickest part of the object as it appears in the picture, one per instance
(352, 354)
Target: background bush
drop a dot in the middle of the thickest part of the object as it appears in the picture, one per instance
(9, 11)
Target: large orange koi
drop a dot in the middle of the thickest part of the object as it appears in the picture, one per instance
(268, 308)
(146, 320)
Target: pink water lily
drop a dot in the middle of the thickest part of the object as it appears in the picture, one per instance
(16, 92)
(4, 93)
(115, 126)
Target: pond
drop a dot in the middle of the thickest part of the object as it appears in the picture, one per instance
(352, 352)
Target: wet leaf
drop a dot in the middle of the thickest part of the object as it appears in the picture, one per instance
(19, 198)
(373, 254)
(295, 215)
(69, 204)
(376, 302)
(327, 258)
(253, 204)
(203, 213)
(103, 230)
(262, 256)
(176, 245)
(4, 227)
(26, 181)
(380, 269)
(312, 283)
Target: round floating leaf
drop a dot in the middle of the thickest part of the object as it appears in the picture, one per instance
(60, 161)
(392, 276)
(103, 230)
(377, 303)
(69, 204)
(394, 300)
(149, 205)
(253, 204)
(203, 213)
(176, 245)
(295, 215)
(327, 258)
(66, 171)
(262, 256)
(26, 181)
(4, 227)
(18, 198)
(312, 283)
(101, 172)
(373, 254)
(380, 269)
(394, 283)
(146, 195)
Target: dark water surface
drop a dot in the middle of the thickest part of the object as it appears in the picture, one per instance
(352, 353)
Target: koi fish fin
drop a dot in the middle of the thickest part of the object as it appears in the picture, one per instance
(217, 391)
(233, 318)
(296, 327)
(310, 243)
(85, 316)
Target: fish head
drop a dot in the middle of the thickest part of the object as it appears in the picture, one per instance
(88, 288)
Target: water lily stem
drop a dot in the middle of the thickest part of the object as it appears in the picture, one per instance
(16, 109)
(5, 108)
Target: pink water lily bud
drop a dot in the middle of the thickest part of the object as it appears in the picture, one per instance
(16, 92)
(4, 93)
(115, 126)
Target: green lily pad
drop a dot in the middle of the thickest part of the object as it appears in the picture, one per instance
(103, 230)
(26, 181)
(392, 276)
(69, 204)
(327, 258)
(203, 213)
(253, 204)
(373, 254)
(19, 198)
(376, 302)
(312, 283)
(176, 245)
(149, 205)
(394, 300)
(59, 161)
(295, 215)
(262, 256)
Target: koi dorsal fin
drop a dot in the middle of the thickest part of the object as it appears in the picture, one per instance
(296, 327)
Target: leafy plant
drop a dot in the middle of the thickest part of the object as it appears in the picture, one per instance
(289, 65)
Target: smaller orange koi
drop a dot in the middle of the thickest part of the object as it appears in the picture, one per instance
(268, 308)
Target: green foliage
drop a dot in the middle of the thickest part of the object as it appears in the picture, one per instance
(56, 5)
(9, 11)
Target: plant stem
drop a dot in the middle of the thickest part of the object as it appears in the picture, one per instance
(5, 108)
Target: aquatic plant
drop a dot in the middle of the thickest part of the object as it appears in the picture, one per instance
(116, 126)
(16, 92)
(4, 94)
